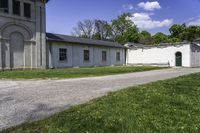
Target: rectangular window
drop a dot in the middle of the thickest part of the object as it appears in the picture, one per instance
(63, 54)
(104, 55)
(118, 56)
(4, 6)
(86, 55)
(16, 8)
(27, 10)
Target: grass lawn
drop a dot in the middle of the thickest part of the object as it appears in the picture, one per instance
(166, 106)
(71, 72)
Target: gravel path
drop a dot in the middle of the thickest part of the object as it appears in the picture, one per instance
(29, 100)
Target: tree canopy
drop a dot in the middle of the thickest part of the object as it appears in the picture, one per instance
(123, 30)
(145, 38)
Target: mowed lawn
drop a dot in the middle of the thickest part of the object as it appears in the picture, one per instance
(71, 72)
(171, 106)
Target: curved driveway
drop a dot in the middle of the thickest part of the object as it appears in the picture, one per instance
(29, 100)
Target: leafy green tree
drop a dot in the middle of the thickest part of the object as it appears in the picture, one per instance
(145, 38)
(160, 38)
(173, 40)
(178, 31)
(124, 30)
(185, 33)
(192, 33)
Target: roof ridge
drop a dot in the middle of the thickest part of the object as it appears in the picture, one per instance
(84, 38)
(73, 39)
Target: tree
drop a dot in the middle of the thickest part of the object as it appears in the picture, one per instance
(177, 31)
(160, 38)
(124, 30)
(185, 33)
(145, 38)
(103, 30)
(45, 1)
(192, 33)
(173, 40)
(85, 29)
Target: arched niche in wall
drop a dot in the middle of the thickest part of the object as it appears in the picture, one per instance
(9, 28)
(14, 37)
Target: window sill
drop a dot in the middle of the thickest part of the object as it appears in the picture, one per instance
(64, 61)
(27, 17)
(86, 61)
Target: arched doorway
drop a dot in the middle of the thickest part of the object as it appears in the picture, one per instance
(178, 59)
(16, 50)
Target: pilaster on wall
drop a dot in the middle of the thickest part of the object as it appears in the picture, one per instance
(7, 44)
(41, 35)
(22, 9)
(38, 49)
(1, 55)
(10, 2)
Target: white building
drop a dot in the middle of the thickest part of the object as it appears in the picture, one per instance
(180, 54)
(67, 51)
(24, 42)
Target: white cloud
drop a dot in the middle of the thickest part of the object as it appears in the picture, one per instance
(195, 22)
(149, 6)
(128, 7)
(145, 22)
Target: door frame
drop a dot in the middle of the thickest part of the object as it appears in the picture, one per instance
(181, 56)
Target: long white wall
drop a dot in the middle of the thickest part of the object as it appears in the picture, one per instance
(76, 59)
(159, 55)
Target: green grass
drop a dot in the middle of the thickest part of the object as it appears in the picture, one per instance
(171, 106)
(71, 72)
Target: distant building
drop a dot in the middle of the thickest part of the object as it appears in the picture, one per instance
(173, 55)
(24, 42)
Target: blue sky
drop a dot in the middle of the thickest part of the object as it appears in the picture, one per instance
(153, 15)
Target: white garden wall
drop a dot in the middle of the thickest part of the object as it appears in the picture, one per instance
(159, 55)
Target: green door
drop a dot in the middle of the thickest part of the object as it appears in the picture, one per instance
(178, 59)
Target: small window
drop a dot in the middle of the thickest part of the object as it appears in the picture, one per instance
(86, 55)
(16, 8)
(104, 55)
(62, 54)
(4, 6)
(27, 10)
(118, 56)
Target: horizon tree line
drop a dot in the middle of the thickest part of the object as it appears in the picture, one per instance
(123, 30)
